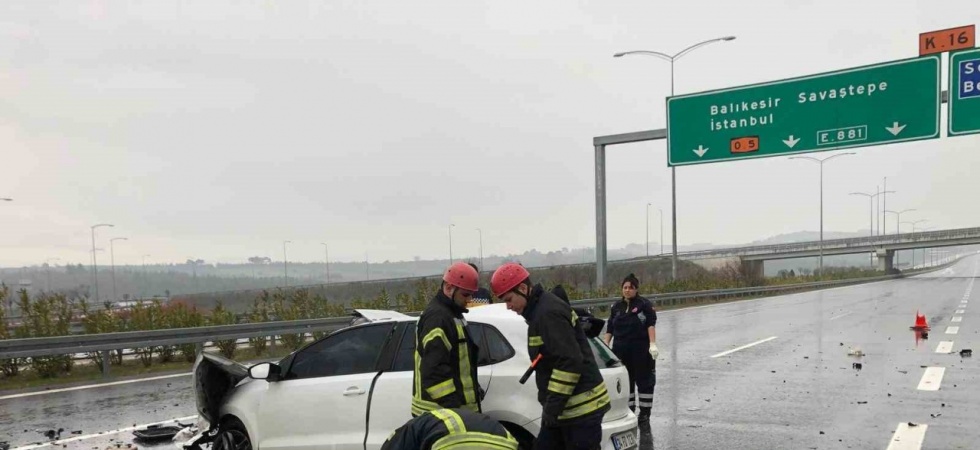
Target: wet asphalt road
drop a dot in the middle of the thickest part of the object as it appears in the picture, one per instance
(800, 390)
(24, 420)
(796, 390)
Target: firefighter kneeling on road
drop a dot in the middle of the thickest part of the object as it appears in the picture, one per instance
(448, 429)
(570, 388)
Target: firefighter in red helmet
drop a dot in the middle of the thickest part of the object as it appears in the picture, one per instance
(571, 390)
(445, 355)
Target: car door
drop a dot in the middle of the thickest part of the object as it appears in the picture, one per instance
(391, 406)
(322, 400)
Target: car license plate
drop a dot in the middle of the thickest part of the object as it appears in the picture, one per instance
(625, 441)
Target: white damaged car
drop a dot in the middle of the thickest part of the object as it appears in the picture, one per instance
(351, 389)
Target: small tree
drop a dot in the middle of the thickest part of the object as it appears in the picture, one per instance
(48, 315)
(9, 367)
(259, 314)
(181, 315)
(222, 316)
(145, 317)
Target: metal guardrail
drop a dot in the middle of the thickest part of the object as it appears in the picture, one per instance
(89, 343)
(64, 345)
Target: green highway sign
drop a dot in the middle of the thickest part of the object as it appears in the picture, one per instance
(964, 93)
(872, 105)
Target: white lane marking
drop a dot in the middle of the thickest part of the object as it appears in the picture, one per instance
(945, 347)
(93, 386)
(932, 379)
(841, 315)
(952, 330)
(908, 437)
(960, 311)
(956, 319)
(103, 434)
(728, 352)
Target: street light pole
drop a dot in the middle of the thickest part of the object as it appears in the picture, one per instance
(112, 259)
(661, 230)
(451, 243)
(821, 161)
(884, 207)
(673, 172)
(481, 248)
(326, 260)
(285, 263)
(95, 264)
(898, 225)
(871, 216)
(648, 229)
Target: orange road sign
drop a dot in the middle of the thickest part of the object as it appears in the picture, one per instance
(947, 40)
(745, 144)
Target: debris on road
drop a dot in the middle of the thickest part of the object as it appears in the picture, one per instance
(158, 432)
(966, 352)
(862, 403)
(856, 351)
(935, 415)
(857, 366)
(694, 408)
(77, 432)
(913, 424)
(4, 446)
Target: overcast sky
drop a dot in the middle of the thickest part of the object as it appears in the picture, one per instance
(216, 130)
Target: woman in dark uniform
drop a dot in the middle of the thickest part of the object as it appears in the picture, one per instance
(632, 329)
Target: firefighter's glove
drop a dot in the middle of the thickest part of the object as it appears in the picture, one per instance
(553, 407)
(654, 352)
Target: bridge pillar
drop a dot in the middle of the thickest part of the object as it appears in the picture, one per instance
(886, 260)
(753, 269)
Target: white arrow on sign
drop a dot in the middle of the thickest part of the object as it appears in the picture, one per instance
(700, 151)
(791, 142)
(895, 129)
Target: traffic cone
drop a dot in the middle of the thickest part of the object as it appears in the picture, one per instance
(920, 322)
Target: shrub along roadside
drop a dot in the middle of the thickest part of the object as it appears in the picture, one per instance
(49, 314)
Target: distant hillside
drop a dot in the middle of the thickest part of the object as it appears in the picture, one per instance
(201, 276)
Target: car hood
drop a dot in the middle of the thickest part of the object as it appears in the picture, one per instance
(214, 378)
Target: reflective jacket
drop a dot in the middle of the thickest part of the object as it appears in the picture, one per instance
(570, 387)
(445, 360)
(449, 429)
(628, 322)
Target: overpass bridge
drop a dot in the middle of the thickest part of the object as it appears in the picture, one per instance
(754, 257)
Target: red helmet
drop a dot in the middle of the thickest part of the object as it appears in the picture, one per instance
(507, 277)
(463, 276)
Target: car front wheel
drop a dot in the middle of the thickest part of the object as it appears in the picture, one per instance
(232, 437)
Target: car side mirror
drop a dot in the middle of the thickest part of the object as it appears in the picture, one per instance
(264, 371)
